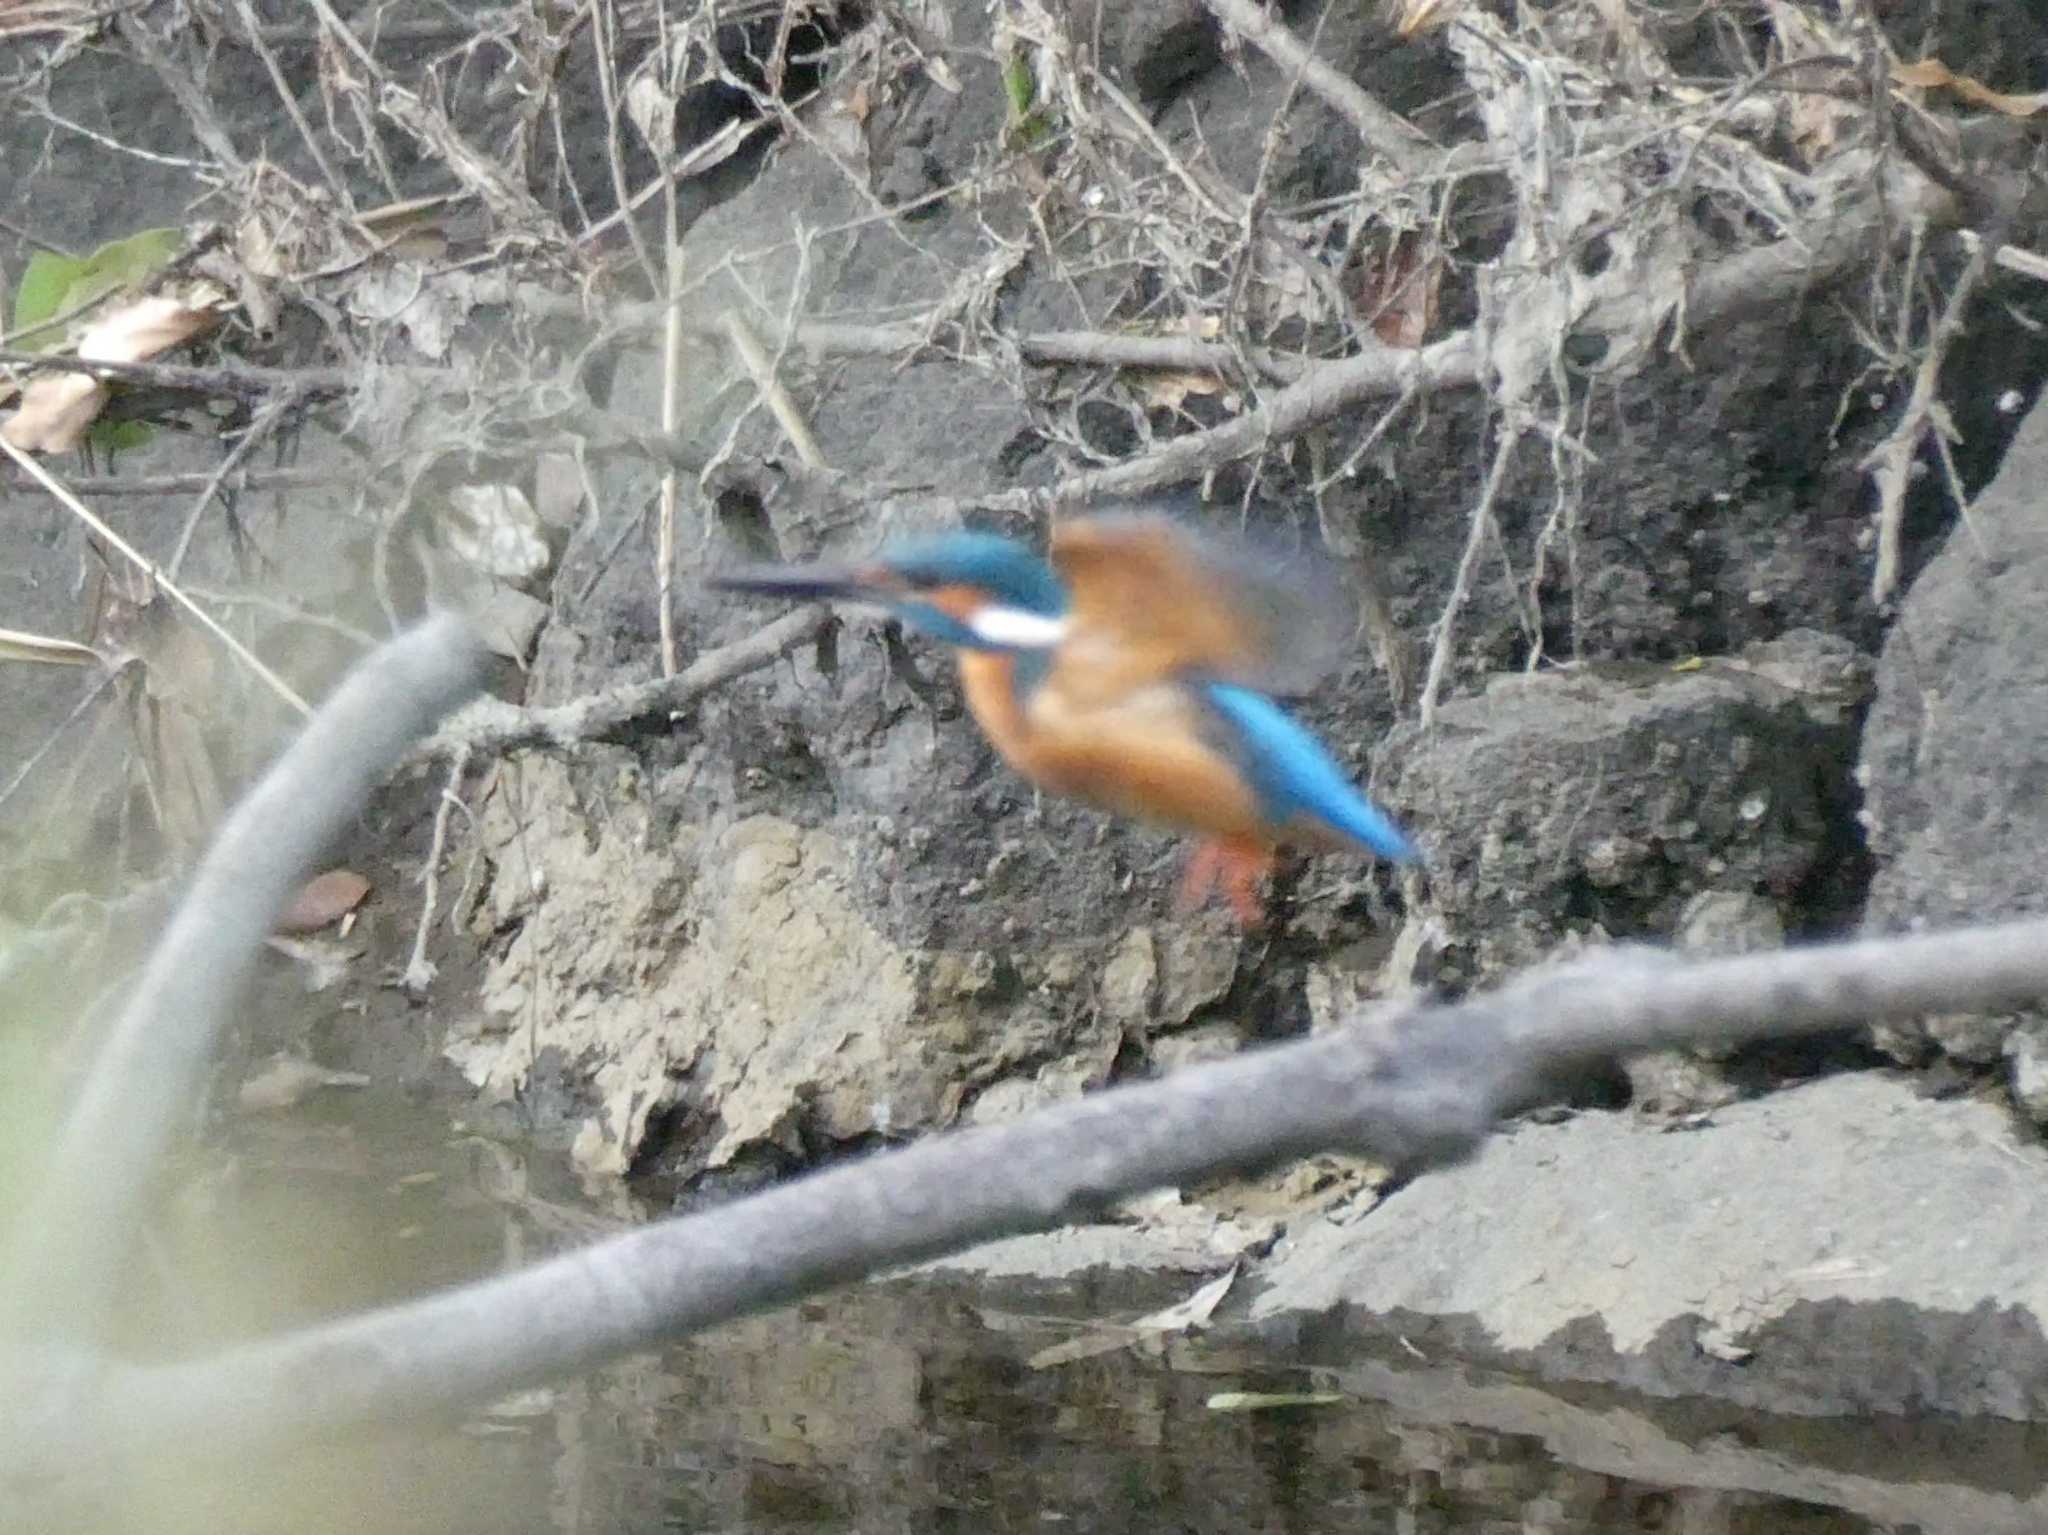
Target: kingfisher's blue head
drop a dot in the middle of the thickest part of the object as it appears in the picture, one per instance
(979, 591)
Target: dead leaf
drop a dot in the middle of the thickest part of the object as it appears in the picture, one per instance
(57, 408)
(495, 529)
(1932, 74)
(1412, 18)
(323, 899)
(1170, 387)
(1398, 291)
(16, 645)
(652, 107)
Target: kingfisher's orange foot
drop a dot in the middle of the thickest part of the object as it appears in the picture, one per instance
(1234, 865)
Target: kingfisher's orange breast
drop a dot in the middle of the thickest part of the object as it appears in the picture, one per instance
(1141, 756)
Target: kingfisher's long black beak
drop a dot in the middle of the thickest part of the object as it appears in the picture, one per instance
(810, 583)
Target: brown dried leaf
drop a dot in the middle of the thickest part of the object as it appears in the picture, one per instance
(1169, 388)
(323, 899)
(1932, 74)
(1398, 292)
(56, 409)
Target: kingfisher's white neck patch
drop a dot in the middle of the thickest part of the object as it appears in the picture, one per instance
(1016, 628)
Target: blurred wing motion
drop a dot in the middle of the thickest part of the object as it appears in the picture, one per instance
(1152, 599)
(1301, 790)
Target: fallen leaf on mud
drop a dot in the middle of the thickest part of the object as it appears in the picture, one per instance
(1932, 74)
(322, 900)
(288, 1080)
(16, 645)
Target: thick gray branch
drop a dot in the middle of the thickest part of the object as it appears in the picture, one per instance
(1417, 1089)
(73, 1240)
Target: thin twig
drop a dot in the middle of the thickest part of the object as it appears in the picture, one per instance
(754, 357)
(608, 94)
(1318, 395)
(105, 680)
(1891, 461)
(170, 588)
(1468, 564)
(235, 484)
(1392, 135)
(671, 421)
(286, 95)
(490, 725)
(267, 415)
(419, 970)
(237, 382)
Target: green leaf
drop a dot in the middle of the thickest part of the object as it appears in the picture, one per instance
(112, 437)
(1020, 85)
(44, 282)
(52, 284)
(131, 261)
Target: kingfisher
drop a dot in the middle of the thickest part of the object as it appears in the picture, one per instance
(1133, 668)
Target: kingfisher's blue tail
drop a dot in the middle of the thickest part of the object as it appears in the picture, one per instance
(1295, 776)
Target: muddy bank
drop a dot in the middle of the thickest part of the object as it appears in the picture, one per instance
(812, 915)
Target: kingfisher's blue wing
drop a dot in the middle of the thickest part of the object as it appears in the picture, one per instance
(1152, 599)
(1298, 782)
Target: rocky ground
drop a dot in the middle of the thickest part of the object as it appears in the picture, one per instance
(813, 915)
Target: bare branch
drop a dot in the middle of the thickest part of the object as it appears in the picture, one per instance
(1468, 564)
(490, 725)
(233, 484)
(148, 1076)
(1388, 133)
(1416, 1089)
(1319, 394)
(236, 383)
(1891, 462)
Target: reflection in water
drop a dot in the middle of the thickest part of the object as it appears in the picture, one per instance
(914, 1407)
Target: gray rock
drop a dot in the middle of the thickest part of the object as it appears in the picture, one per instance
(1841, 1247)
(1606, 802)
(1955, 752)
